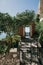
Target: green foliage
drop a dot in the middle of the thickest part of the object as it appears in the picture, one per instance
(13, 37)
(37, 18)
(25, 17)
(6, 22)
(41, 39)
(39, 27)
(39, 30)
(10, 24)
(3, 48)
(41, 24)
(8, 39)
(16, 38)
(13, 40)
(41, 33)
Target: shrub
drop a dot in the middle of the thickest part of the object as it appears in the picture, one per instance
(3, 48)
(16, 38)
(41, 39)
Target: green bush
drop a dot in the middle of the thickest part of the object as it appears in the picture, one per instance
(41, 39)
(39, 27)
(16, 38)
(13, 40)
(3, 48)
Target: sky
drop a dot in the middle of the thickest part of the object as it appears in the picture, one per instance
(14, 6)
(2, 35)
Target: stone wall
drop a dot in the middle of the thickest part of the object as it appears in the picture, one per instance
(9, 59)
(41, 8)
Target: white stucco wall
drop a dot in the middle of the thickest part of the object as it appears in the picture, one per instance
(41, 19)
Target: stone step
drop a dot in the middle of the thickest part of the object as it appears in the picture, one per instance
(13, 50)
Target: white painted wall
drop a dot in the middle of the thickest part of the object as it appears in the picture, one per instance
(41, 19)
